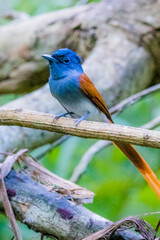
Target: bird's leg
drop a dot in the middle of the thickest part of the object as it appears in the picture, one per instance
(63, 115)
(82, 118)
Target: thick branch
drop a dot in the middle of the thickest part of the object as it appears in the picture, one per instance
(50, 213)
(115, 23)
(85, 129)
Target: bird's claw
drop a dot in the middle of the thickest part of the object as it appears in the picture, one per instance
(62, 115)
(79, 120)
(59, 115)
(83, 118)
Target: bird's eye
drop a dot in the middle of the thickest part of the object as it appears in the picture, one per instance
(66, 60)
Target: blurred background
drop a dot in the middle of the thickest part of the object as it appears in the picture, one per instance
(120, 189)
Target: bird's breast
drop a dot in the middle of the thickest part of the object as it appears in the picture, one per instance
(65, 89)
(69, 94)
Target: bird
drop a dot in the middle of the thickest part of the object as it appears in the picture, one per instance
(79, 97)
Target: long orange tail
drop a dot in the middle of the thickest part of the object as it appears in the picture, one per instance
(140, 164)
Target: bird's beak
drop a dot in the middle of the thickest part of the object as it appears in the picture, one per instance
(48, 57)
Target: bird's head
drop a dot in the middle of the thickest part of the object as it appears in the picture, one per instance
(63, 63)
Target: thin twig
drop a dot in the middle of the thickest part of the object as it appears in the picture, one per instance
(9, 162)
(153, 123)
(6, 153)
(141, 226)
(8, 209)
(157, 227)
(86, 159)
(5, 168)
(81, 167)
(86, 129)
(52, 146)
(132, 99)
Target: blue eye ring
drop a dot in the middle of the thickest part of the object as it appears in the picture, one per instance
(66, 60)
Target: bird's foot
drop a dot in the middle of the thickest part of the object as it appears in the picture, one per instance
(63, 115)
(81, 118)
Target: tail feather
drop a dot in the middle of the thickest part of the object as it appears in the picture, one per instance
(141, 164)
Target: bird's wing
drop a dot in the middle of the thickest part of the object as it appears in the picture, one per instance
(90, 91)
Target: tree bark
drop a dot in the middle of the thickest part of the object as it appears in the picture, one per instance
(51, 214)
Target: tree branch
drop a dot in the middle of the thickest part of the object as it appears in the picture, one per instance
(50, 213)
(52, 146)
(139, 225)
(153, 123)
(134, 98)
(85, 129)
(89, 36)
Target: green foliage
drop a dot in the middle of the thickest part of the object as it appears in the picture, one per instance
(7, 98)
(120, 189)
(40, 6)
(37, 7)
